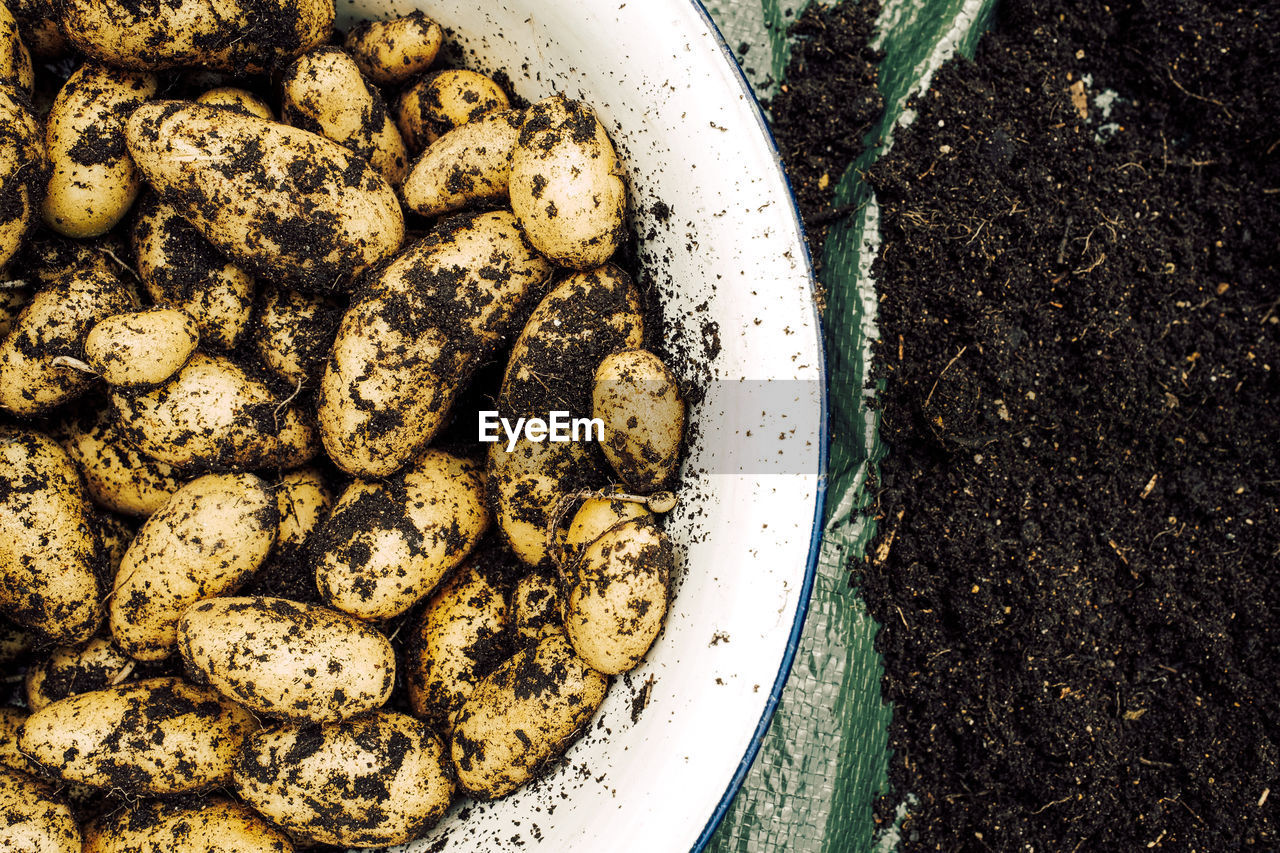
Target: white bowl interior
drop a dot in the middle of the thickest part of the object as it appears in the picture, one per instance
(730, 269)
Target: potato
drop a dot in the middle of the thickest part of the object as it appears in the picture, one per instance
(23, 171)
(283, 659)
(141, 348)
(586, 317)
(11, 757)
(638, 399)
(390, 52)
(375, 780)
(304, 500)
(466, 165)
(323, 92)
(181, 269)
(209, 539)
(408, 345)
(594, 517)
(116, 475)
(157, 736)
(33, 819)
(41, 32)
(13, 299)
(523, 715)
(72, 670)
(458, 638)
(15, 61)
(280, 201)
(237, 99)
(92, 181)
(244, 36)
(55, 323)
(387, 544)
(215, 825)
(566, 184)
(49, 258)
(535, 607)
(440, 102)
(116, 535)
(51, 559)
(616, 595)
(294, 333)
(214, 414)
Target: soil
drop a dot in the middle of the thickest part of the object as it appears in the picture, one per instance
(1076, 569)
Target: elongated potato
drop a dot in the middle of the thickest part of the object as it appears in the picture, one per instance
(387, 544)
(216, 825)
(442, 101)
(638, 399)
(23, 171)
(469, 164)
(408, 345)
(458, 638)
(214, 414)
(15, 61)
(92, 181)
(116, 475)
(141, 348)
(157, 736)
(324, 92)
(237, 99)
(524, 714)
(375, 780)
(71, 670)
(51, 559)
(55, 323)
(390, 52)
(181, 269)
(244, 36)
(283, 659)
(280, 201)
(566, 184)
(587, 316)
(294, 333)
(33, 819)
(210, 537)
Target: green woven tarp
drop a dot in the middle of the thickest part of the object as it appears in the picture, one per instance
(824, 759)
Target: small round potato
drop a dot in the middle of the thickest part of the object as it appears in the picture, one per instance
(593, 518)
(209, 539)
(442, 101)
(33, 819)
(524, 714)
(15, 60)
(638, 399)
(466, 165)
(116, 476)
(158, 736)
(71, 670)
(375, 780)
(535, 607)
(142, 348)
(566, 184)
(283, 659)
(304, 499)
(23, 171)
(216, 825)
(390, 52)
(237, 99)
(294, 332)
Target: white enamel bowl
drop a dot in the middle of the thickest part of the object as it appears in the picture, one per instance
(731, 270)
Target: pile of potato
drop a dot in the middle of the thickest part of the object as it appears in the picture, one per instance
(254, 598)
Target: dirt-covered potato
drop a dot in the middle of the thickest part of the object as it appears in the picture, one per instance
(387, 544)
(215, 414)
(209, 538)
(407, 347)
(567, 185)
(11, 720)
(157, 736)
(55, 323)
(616, 595)
(586, 317)
(638, 399)
(71, 670)
(304, 500)
(181, 269)
(51, 559)
(116, 476)
(324, 92)
(282, 202)
(38, 24)
(458, 638)
(23, 171)
(592, 518)
(440, 102)
(244, 36)
(380, 779)
(15, 60)
(524, 714)
(390, 52)
(49, 258)
(466, 165)
(141, 348)
(237, 99)
(214, 825)
(283, 659)
(33, 819)
(294, 332)
(13, 299)
(116, 534)
(92, 180)
(535, 607)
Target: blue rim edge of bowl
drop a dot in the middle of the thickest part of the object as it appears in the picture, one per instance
(815, 541)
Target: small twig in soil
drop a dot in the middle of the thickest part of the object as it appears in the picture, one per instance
(1062, 247)
(1164, 765)
(1197, 97)
(1054, 803)
(953, 360)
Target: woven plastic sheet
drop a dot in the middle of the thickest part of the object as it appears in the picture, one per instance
(824, 759)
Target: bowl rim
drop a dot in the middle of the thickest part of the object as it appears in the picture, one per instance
(824, 446)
